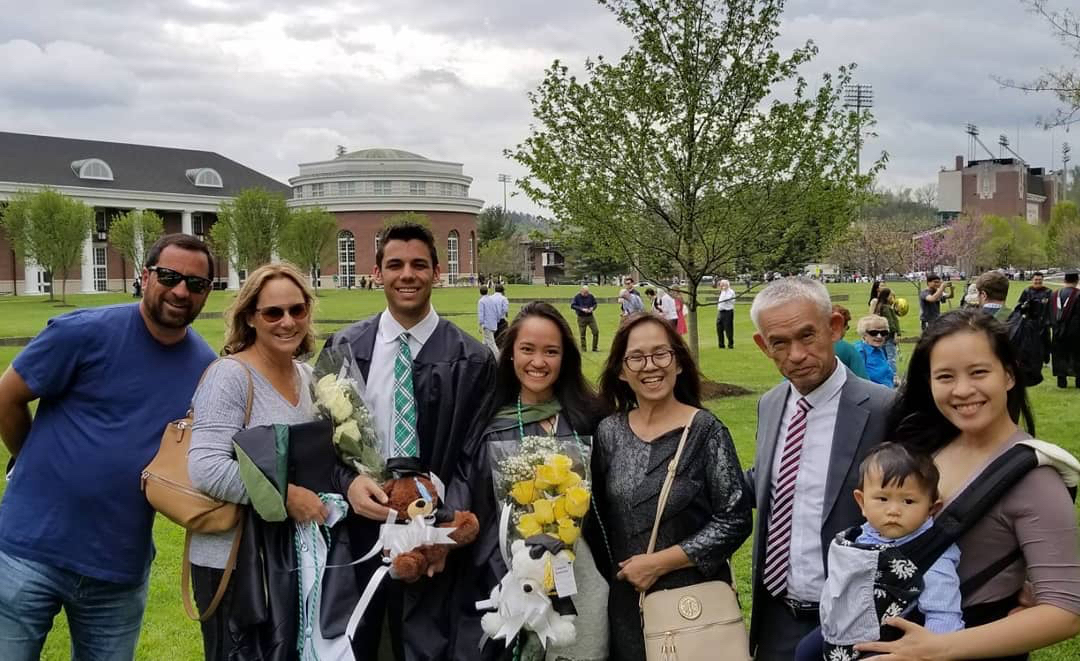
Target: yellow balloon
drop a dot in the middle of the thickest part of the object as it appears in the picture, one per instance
(901, 306)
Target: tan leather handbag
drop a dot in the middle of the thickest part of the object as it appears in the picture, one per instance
(701, 621)
(168, 489)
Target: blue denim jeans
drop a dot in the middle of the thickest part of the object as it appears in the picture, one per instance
(104, 618)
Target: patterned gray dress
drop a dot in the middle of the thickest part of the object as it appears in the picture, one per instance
(707, 514)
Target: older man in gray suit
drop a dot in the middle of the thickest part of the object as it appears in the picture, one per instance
(813, 431)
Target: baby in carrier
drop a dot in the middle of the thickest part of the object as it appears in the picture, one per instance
(870, 578)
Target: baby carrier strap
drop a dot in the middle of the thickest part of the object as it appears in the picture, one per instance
(970, 506)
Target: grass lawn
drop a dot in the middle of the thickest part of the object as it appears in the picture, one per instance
(167, 631)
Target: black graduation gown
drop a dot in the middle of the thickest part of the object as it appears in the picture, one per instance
(453, 383)
(1065, 346)
(265, 582)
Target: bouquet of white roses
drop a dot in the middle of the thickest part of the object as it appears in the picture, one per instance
(338, 393)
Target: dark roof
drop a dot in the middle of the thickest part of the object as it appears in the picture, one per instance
(46, 160)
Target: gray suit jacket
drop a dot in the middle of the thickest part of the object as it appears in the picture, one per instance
(860, 425)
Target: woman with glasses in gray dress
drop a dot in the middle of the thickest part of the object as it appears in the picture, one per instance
(652, 383)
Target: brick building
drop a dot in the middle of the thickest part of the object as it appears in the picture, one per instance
(365, 188)
(184, 187)
(1001, 186)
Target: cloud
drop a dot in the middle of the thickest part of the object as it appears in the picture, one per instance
(272, 84)
(63, 74)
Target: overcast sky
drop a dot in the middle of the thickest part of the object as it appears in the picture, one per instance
(273, 83)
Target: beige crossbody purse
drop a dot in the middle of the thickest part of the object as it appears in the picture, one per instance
(701, 621)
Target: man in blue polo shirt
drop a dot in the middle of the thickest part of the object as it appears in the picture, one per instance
(75, 529)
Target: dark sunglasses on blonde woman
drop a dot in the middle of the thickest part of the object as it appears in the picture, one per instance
(272, 313)
(877, 333)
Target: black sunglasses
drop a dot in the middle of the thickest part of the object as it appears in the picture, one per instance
(877, 333)
(272, 313)
(196, 284)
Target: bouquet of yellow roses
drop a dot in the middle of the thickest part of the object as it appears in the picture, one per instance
(543, 487)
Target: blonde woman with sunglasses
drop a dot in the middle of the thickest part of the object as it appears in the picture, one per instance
(268, 327)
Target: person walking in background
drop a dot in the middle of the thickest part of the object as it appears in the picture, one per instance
(651, 382)
(725, 315)
(874, 330)
(680, 308)
(874, 292)
(1034, 302)
(813, 430)
(487, 315)
(993, 289)
(668, 309)
(845, 350)
(630, 299)
(930, 299)
(75, 528)
(654, 303)
(1065, 343)
(584, 305)
(504, 313)
(884, 308)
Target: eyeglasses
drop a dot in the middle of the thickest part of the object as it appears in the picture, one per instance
(877, 333)
(196, 284)
(273, 313)
(660, 360)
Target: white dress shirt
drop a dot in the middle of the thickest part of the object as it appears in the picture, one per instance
(379, 388)
(667, 307)
(806, 571)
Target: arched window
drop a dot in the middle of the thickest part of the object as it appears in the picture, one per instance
(92, 168)
(204, 177)
(452, 256)
(346, 259)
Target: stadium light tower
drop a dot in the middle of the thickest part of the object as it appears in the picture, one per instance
(504, 179)
(858, 98)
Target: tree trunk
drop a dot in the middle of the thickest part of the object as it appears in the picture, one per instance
(63, 289)
(692, 325)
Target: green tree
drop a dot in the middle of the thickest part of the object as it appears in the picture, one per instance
(133, 233)
(493, 223)
(1012, 242)
(309, 239)
(502, 257)
(50, 229)
(248, 228)
(677, 152)
(1063, 216)
(408, 217)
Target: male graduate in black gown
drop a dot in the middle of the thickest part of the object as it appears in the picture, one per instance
(409, 349)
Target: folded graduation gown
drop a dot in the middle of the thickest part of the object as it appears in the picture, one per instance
(266, 580)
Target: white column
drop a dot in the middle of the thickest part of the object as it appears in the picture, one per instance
(140, 258)
(185, 222)
(30, 278)
(88, 265)
(234, 278)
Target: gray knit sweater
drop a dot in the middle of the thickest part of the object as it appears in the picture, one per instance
(219, 406)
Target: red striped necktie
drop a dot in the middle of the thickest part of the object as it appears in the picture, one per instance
(778, 544)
